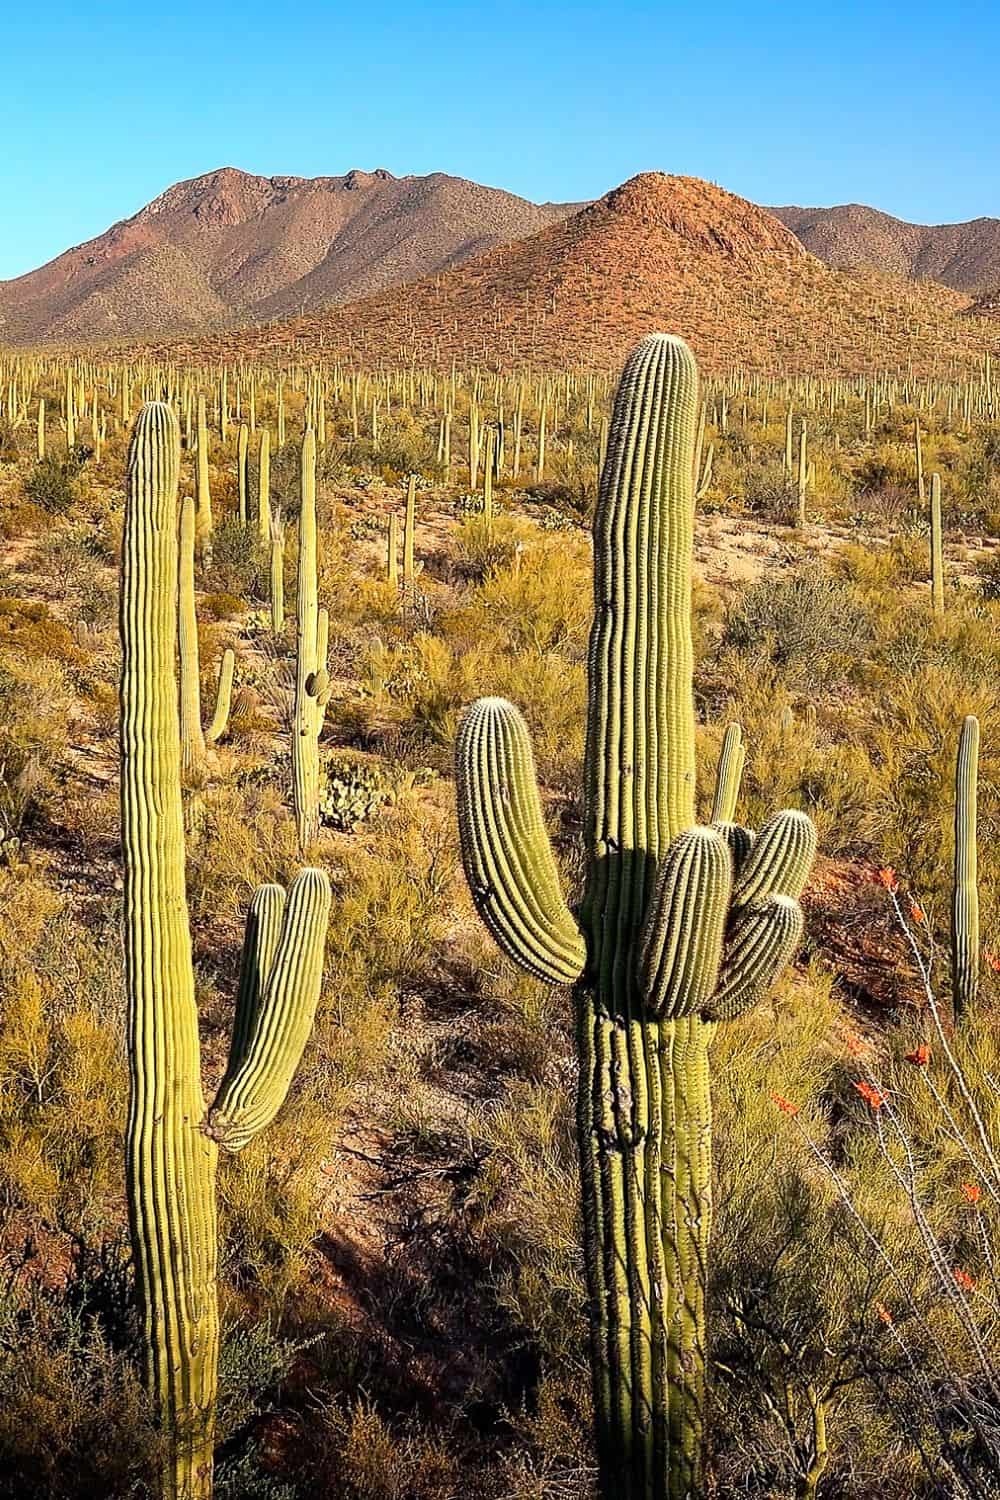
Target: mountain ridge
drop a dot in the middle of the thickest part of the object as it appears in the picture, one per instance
(230, 244)
(657, 252)
(964, 256)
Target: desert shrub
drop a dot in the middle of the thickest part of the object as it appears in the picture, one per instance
(74, 1421)
(809, 624)
(989, 575)
(238, 566)
(770, 491)
(52, 485)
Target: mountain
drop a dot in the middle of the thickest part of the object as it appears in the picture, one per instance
(661, 252)
(231, 246)
(965, 257)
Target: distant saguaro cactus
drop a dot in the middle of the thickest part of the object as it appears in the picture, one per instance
(681, 927)
(312, 681)
(965, 885)
(172, 1140)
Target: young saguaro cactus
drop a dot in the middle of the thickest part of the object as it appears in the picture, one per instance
(681, 928)
(965, 885)
(172, 1140)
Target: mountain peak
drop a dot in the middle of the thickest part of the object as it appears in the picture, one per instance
(703, 214)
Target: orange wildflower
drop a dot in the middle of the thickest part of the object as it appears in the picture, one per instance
(993, 959)
(963, 1280)
(917, 912)
(785, 1105)
(872, 1096)
(920, 1056)
(887, 878)
(883, 1312)
(972, 1192)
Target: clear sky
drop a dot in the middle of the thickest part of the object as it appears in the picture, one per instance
(103, 106)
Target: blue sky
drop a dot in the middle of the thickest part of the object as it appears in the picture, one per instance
(101, 107)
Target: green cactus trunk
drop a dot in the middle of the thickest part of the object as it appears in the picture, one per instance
(680, 928)
(172, 1142)
(965, 887)
(171, 1164)
(638, 1083)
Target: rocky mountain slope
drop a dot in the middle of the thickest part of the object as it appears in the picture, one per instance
(233, 246)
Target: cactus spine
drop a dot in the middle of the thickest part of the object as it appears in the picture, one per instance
(681, 927)
(172, 1143)
(965, 887)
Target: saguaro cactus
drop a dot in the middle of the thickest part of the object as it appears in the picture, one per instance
(965, 886)
(680, 928)
(937, 548)
(312, 682)
(172, 1141)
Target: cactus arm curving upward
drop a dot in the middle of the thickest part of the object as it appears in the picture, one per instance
(275, 1012)
(223, 697)
(682, 940)
(505, 847)
(729, 774)
(965, 887)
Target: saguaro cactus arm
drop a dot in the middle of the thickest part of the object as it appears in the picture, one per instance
(681, 944)
(276, 1008)
(223, 697)
(729, 774)
(506, 851)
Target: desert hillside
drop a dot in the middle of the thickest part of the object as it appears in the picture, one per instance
(658, 252)
(231, 245)
(963, 256)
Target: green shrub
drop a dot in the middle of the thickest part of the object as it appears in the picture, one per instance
(52, 485)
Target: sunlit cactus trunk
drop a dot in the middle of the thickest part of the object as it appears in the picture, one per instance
(172, 1142)
(170, 1163)
(681, 927)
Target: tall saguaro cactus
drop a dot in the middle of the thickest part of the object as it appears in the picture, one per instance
(172, 1140)
(312, 681)
(681, 928)
(965, 886)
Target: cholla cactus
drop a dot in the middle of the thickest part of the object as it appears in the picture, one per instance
(680, 928)
(172, 1140)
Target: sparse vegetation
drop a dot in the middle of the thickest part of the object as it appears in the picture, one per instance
(401, 1290)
